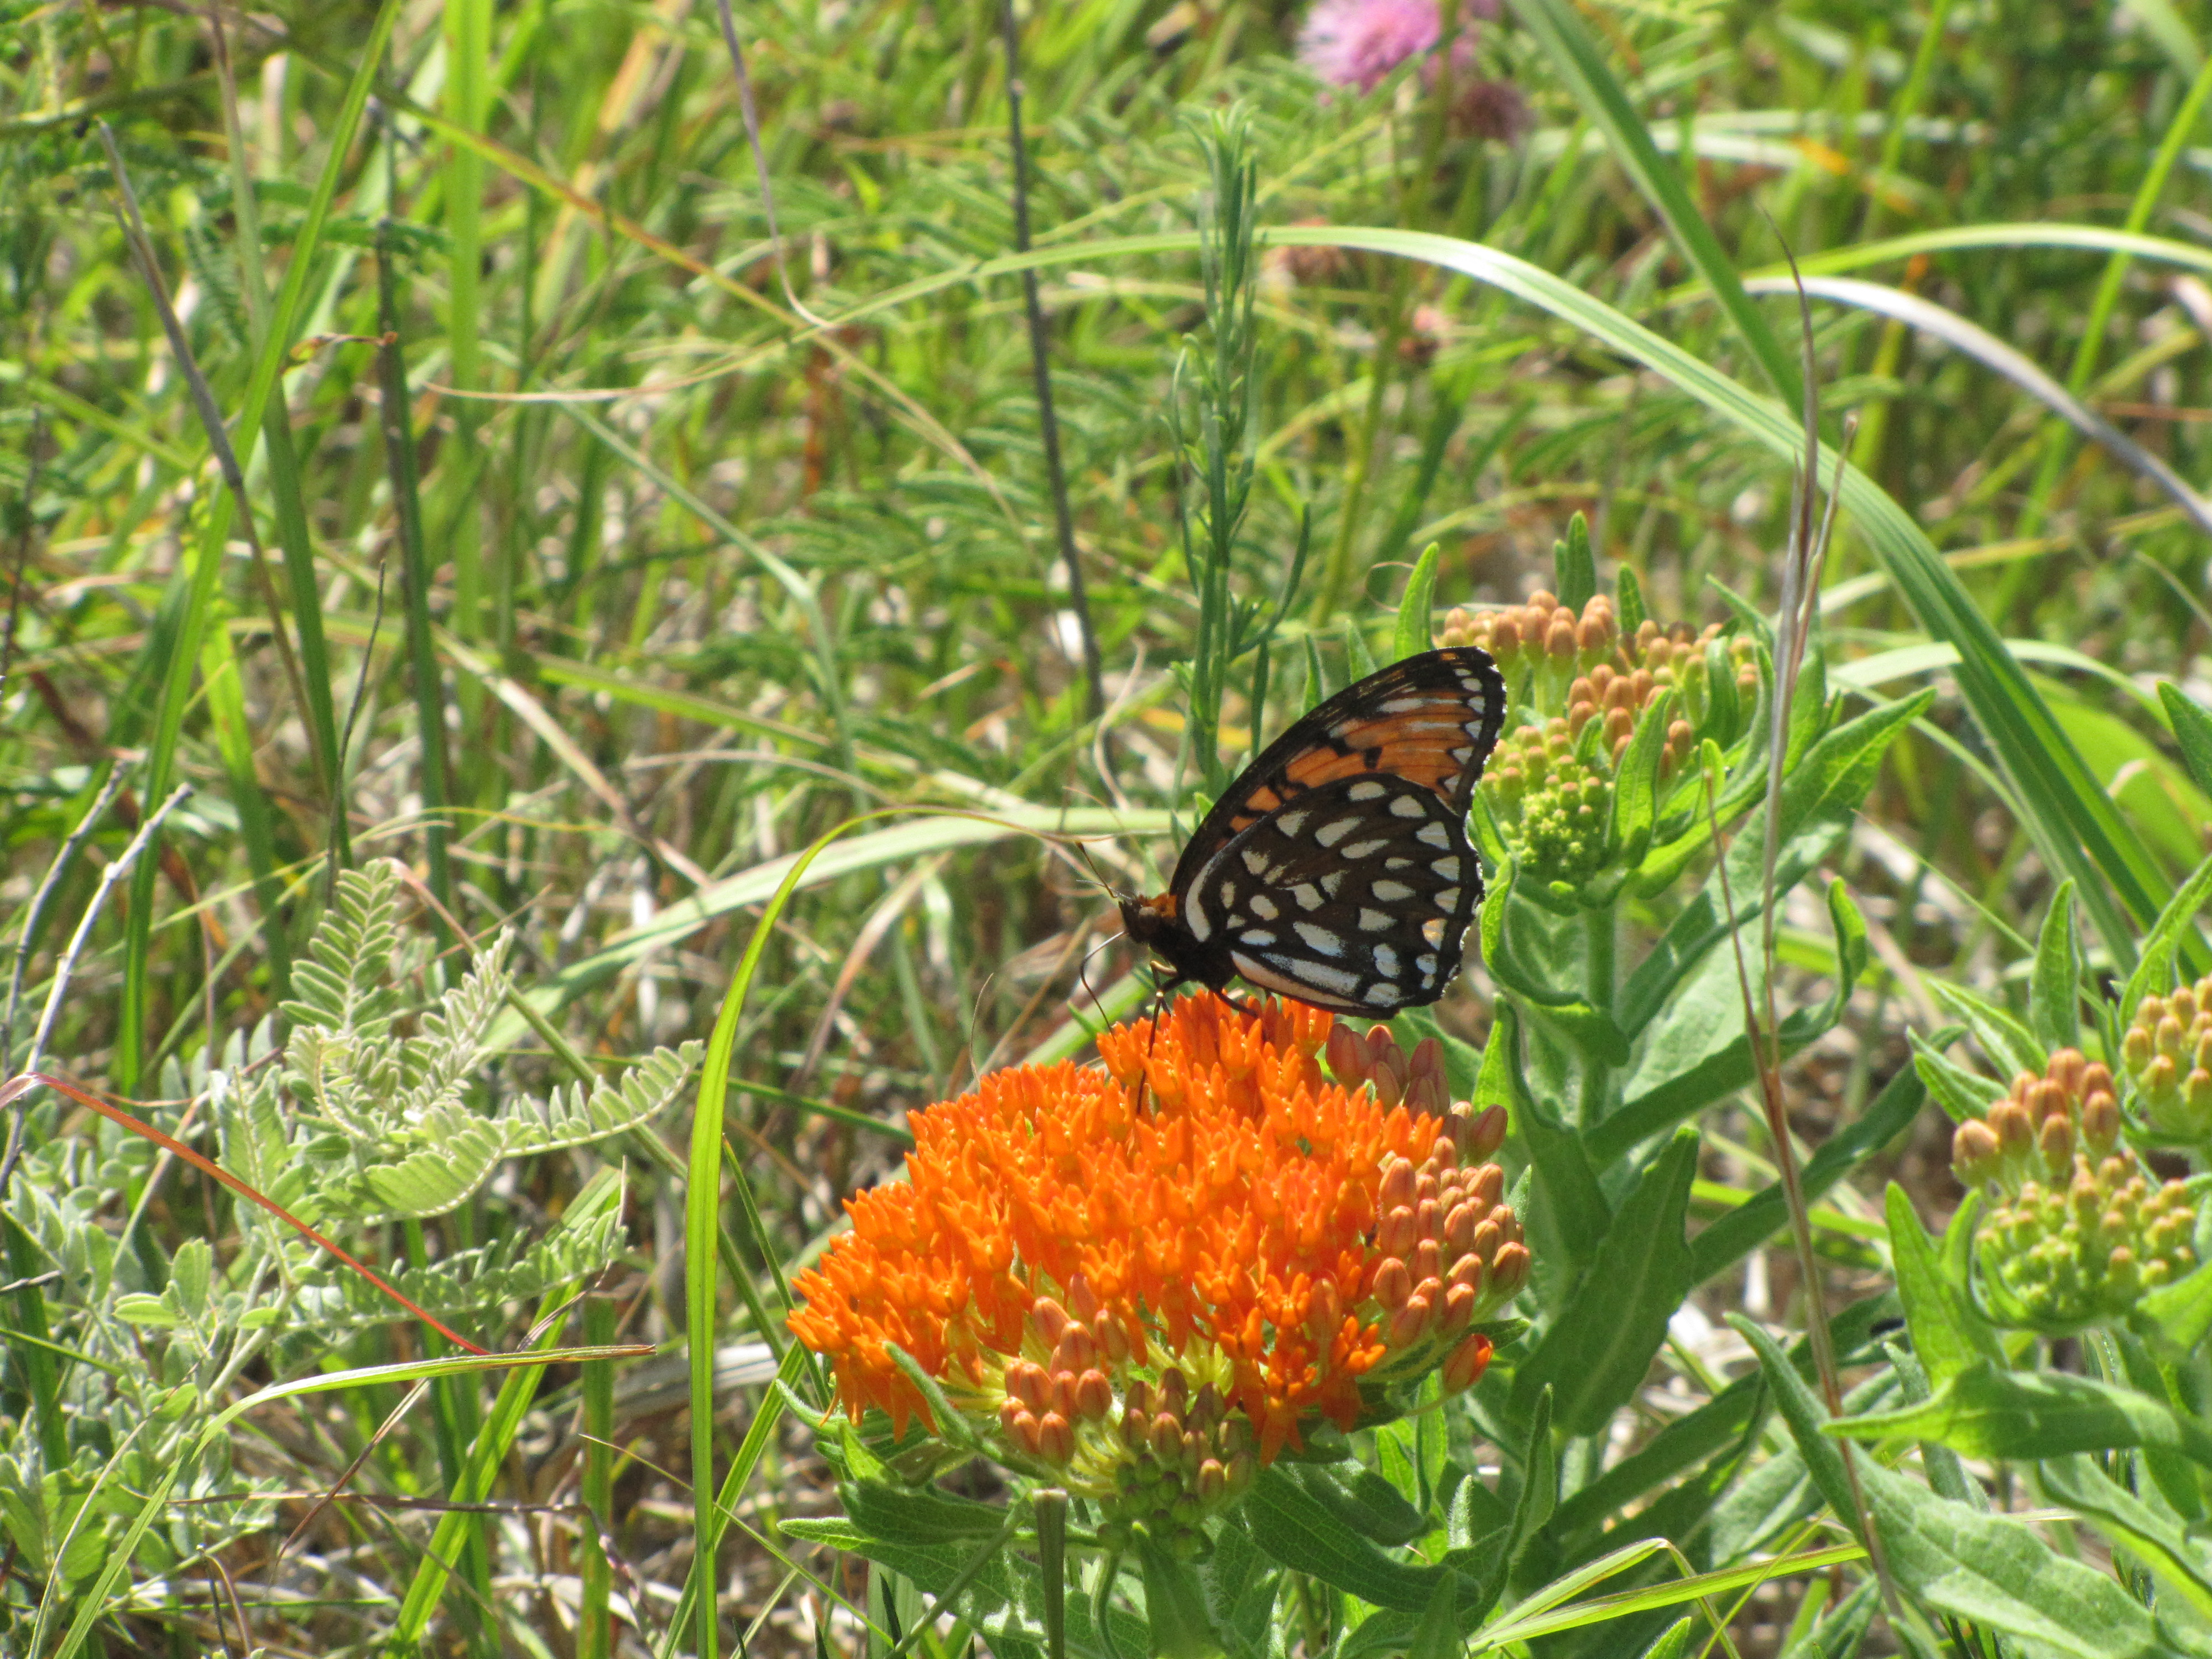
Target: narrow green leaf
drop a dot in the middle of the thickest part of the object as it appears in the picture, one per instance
(1437, 1637)
(1961, 1093)
(1574, 567)
(1578, 62)
(1294, 1528)
(2008, 1043)
(1948, 1334)
(1568, 1219)
(2192, 730)
(1985, 1412)
(2181, 1311)
(2176, 922)
(1414, 635)
(1596, 1352)
(2054, 988)
(1818, 800)
(1735, 1234)
(2162, 1543)
(1628, 600)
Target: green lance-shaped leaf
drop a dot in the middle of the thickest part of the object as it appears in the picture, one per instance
(1983, 1411)
(1697, 1053)
(1414, 636)
(1574, 567)
(1823, 791)
(1961, 1560)
(1363, 1500)
(1949, 1335)
(2192, 730)
(1961, 1093)
(1297, 1529)
(1742, 1229)
(2160, 1541)
(2003, 1036)
(1568, 1219)
(1487, 1560)
(1597, 1350)
(2153, 970)
(2054, 987)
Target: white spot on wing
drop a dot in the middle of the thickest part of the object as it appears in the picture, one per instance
(1194, 916)
(1307, 894)
(1322, 941)
(1375, 922)
(1291, 823)
(1264, 908)
(1391, 892)
(1256, 862)
(1331, 882)
(1366, 849)
(1426, 967)
(1408, 806)
(1382, 993)
(1386, 962)
(1365, 789)
(1310, 982)
(1433, 931)
(1432, 834)
(1330, 833)
(1256, 936)
(1448, 900)
(1448, 868)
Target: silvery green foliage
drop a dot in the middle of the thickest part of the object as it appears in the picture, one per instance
(385, 1121)
(369, 1111)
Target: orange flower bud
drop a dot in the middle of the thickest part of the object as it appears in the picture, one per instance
(1465, 1363)
(1393, 1284)
(1094, 1396)
(1509, 1272)
(1047, 1319)
(1055, 1439)
(1398, 1185)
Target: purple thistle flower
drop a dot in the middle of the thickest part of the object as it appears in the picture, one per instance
(1356, 42)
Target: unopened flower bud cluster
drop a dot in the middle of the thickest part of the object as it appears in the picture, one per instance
(1552, 800)
(1556, 660)
(1550, 784)
(1448, 1251)
(2079, 1229)
(2167, 1054)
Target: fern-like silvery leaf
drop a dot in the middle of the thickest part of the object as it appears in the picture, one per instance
(342, 983)
(570, 1117)
(438, 1062)
(462, 1149)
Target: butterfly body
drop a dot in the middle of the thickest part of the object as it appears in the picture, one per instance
(1336, 869)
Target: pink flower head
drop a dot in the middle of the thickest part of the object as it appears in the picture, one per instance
(1356, 42)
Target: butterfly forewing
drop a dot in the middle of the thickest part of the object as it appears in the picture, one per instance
(1336, 869)
(1354, 897)
(1432, 720)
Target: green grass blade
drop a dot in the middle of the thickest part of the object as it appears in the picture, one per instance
(2074, 823)
(1576, 58)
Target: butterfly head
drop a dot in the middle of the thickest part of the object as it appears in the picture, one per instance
(1148, 920)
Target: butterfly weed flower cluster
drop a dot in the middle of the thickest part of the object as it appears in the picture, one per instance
(1144, 1281)
(2080, 1228)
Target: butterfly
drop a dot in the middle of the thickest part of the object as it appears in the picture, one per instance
(1336, 869)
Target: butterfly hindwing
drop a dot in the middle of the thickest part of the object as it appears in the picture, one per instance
(1355, 897)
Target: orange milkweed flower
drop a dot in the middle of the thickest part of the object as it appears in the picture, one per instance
(1148, 1279)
